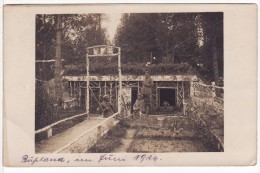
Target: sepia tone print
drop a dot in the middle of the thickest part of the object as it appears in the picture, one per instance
(124, 85)
(132, 82)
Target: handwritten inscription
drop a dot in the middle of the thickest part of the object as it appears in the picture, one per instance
(140, 158)
(110, 157)
(32, 160)
(83, 160)
(148, 157)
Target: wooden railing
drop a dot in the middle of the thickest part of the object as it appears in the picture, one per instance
(207, 94)
(91, 138)
(49, 127)
(203, 100)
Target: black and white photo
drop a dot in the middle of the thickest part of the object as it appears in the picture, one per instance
(119, 85)
(129, 82)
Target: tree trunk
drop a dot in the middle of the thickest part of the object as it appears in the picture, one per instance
(44, 52)
(215, 64)
(57, 77)
(215, 57)
(99, 28)
(214, 52)
(173, 56)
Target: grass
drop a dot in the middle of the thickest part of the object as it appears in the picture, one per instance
(111, 140)
(128, 69)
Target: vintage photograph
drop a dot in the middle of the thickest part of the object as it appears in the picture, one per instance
(130, 85)
(129, 82)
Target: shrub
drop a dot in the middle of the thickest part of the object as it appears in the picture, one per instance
(128, 69)
(109, 141)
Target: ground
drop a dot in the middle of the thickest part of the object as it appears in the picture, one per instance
(151, 134)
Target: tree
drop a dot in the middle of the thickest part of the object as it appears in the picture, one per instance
(45, 36)
(194, 38)
(176, 35)
(57, 75)
(61, 37)
(81, 31)
(78, 32)
(212, 26)
(136, 37)
(163, 34)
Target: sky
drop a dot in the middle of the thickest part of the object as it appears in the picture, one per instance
(112, 23)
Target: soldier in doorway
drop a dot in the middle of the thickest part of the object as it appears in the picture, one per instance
(166, 105)
(139, 106)
(147, 91)
(107, 107)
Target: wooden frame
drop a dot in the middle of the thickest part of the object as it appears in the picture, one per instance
(103, 51)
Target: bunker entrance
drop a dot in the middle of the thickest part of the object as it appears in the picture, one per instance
(167, 95)
(134, 92)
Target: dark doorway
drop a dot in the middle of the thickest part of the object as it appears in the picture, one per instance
(83, 97)
(169, 95)
(134, 91)
(94, 100)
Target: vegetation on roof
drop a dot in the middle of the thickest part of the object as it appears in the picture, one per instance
(128, 69)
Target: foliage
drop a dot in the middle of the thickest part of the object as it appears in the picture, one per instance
(136, 37)
(44, 110)
(212, 24)
(129, 69)
(207, 123)
(45, 36)
(47, 110)
(173, 38)
(170, 37)
(161, 34)
(78, 32)
(109, 141)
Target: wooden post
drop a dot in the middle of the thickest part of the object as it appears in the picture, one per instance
(156, 94)
(74, 89)
(79, 94)
(87, 88)
(120, 80)
(183, 99)
(182, 85)
(110, 90)
(99, 85)
(70, 88)
(213, 91)
(116, 85)
(191, 88)
(178, 94)
(49, 133)
(138, 87)
(105, 88)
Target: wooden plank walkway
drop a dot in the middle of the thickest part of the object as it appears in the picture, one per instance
(58, 141)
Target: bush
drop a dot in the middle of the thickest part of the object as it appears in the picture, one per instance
(109, 141)
(128, 69)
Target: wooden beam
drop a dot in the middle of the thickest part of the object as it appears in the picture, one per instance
(79, 94)
(120, 80)
(87, 89)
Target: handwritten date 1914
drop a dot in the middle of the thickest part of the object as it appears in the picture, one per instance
(145, 157)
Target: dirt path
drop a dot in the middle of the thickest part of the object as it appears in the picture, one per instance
(151, 139)
(127, 141)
